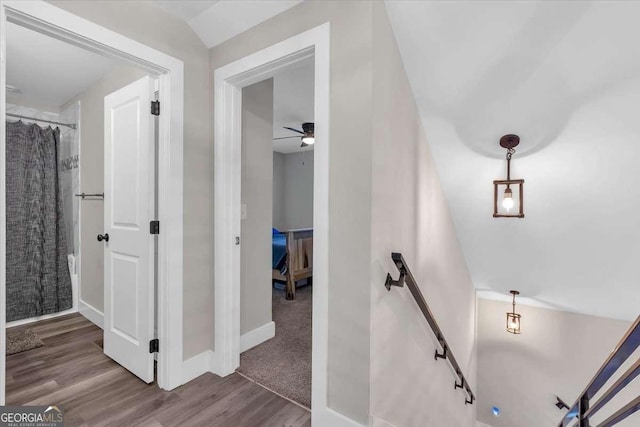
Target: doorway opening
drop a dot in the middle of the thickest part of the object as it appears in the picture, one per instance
(80, 188)
(229, 82)
(277, 232)
(81, 134)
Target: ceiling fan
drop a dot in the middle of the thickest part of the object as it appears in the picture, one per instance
(307, 137)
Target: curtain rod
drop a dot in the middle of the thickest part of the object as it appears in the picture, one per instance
(70, 125)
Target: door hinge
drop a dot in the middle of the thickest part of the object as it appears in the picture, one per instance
(154, 227)
(154, 346)
(155, 108)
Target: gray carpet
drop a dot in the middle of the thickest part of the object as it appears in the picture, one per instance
(22, 340)
(283, 364)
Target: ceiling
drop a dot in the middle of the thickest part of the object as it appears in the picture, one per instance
(292, 105)
(565, 76)
(216, 21)
(47, 71)
(185, 9)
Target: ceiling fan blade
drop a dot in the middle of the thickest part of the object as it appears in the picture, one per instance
(295, 130)
(286, 137)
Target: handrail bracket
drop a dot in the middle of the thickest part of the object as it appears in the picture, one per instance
(442, 355)
(390, 282)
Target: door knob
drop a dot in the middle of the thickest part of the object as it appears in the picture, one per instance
(104, 237)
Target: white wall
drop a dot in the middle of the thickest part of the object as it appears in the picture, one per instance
(293, 190)
(557, 354)
(278, 191)
(142, 21)
(298, 199)
(410, 215)
(256, 195)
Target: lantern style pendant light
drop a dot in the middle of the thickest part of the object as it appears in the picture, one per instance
(506, 204)
(513, 318)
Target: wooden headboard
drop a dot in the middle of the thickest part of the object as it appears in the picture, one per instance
(299, 259)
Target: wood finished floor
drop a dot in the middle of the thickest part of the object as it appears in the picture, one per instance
(71, 371)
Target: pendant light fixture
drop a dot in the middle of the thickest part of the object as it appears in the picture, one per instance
(506, 204)
(513, 318)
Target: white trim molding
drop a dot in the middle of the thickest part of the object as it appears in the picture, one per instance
(3, 216)
(91, 313)
(257, 336)
(197, 365)
(228, 83)
(52, 21)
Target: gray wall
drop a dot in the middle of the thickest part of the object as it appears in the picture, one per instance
(148, 24)
(349, 182)
(293, 190)
(92, 180)
(256, 195)
(556, 354)
(298, 193)
(410, 215)
(278, 191)
(353, 262)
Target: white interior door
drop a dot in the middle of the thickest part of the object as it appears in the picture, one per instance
(129, 206)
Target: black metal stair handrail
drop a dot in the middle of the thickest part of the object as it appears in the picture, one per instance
(584, 409)
(407, 277)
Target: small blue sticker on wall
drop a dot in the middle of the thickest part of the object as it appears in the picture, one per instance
(495, 411)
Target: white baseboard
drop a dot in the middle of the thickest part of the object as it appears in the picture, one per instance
(43, 317)
(206, 361)
(257, 336)
(329, 417)
(379, 422)
(94, 315)
(197, 365)
(247, 341)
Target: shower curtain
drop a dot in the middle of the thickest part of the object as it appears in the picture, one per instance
(38, 279)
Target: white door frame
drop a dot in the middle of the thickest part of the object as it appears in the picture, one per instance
(229, 81)
(60, 24)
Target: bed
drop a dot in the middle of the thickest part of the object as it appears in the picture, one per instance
(292, 258)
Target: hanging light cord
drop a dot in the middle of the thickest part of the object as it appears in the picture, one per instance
(514, 304)
(510, 152)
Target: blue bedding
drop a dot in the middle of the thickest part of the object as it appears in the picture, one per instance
(279, 250)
